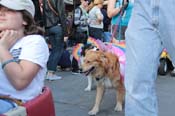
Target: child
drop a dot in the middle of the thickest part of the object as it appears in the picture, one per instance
(23, 54)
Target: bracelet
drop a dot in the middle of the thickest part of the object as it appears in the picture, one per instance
(7, 62)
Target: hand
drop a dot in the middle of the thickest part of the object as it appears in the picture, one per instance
(8, 38)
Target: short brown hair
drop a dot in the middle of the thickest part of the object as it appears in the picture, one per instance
(31, 27)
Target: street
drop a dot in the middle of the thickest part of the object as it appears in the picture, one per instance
(70, 99)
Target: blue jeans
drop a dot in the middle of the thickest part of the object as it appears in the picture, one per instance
(5, 106)
(151, 28)
(56, 39)
(119, 31)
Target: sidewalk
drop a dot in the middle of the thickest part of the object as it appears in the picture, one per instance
(70, 99)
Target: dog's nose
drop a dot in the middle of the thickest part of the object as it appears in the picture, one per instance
(97, 79)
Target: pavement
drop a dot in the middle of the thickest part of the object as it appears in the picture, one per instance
(70, 99)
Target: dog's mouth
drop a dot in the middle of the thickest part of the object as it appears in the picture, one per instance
(87, 72)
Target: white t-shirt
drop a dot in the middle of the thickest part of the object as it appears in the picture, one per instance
(32, 48)
(93, 18)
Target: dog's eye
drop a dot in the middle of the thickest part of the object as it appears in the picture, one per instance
(87, 61)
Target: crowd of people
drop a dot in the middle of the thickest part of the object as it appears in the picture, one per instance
(25, 25)
(102, 16)
(41, 19)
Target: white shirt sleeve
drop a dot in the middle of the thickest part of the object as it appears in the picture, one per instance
(35, 49)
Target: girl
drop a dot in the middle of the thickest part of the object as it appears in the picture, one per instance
(23, 54)
(96, 20)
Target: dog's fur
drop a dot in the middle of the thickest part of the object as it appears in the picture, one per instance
(104, 68)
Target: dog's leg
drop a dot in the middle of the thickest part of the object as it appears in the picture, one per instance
(89, 87)
(120, 91)
(99, 95)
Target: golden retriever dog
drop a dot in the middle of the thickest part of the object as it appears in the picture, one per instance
(104, 68)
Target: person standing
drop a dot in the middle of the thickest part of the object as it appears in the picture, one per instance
(96, 20)
(54, 23)
(151, 28)
(120, 12)
(81, 25)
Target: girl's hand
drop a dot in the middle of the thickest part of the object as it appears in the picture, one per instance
(8, 38)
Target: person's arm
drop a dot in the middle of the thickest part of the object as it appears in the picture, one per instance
(19, 74)
(99, 17)
(111, 10)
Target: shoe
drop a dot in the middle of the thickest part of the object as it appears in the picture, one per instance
(66, 69)
(75, 71)
(53, 77)
(172, 73)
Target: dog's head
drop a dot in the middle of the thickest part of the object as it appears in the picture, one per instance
(88, 47)
(85, 48)
(100, 64)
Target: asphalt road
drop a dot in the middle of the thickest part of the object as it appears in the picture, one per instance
(70, 99)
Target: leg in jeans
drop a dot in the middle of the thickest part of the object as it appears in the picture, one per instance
(75, 65)
(123, 29)
(150, 26)
(167, 26)
(57, 43)
(81, 37)
(143, 47)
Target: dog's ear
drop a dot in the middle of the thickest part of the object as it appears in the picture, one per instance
(85, 48)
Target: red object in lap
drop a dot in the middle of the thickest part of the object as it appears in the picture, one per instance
(42, 105)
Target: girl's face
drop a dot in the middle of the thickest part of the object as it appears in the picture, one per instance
(85, 3)
(100, 5)
(10, 19)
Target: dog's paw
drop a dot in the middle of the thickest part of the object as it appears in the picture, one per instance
(118, 107)
(93, 112)
(87, 89)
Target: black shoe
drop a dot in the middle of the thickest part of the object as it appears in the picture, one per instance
(66, 69)
(75, 71)
(172, 73)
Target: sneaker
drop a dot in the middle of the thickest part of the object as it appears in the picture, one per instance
(66, 69)
(172, 73)
(53, 77)
(75, 71)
